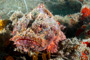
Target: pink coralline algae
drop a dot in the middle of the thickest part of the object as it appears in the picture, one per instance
(37, 31)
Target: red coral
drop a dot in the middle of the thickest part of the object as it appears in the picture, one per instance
(88, 32)
(87, 43)
(84, 57)
(79, 31)
(85, 11)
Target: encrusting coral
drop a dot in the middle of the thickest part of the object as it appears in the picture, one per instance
(2, 24)
(4, 34)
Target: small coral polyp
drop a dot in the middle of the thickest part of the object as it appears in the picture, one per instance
(37, 31)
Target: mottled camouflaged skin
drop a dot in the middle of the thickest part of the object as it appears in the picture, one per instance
(37, 31)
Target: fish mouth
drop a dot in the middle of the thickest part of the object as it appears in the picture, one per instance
(27, 42)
